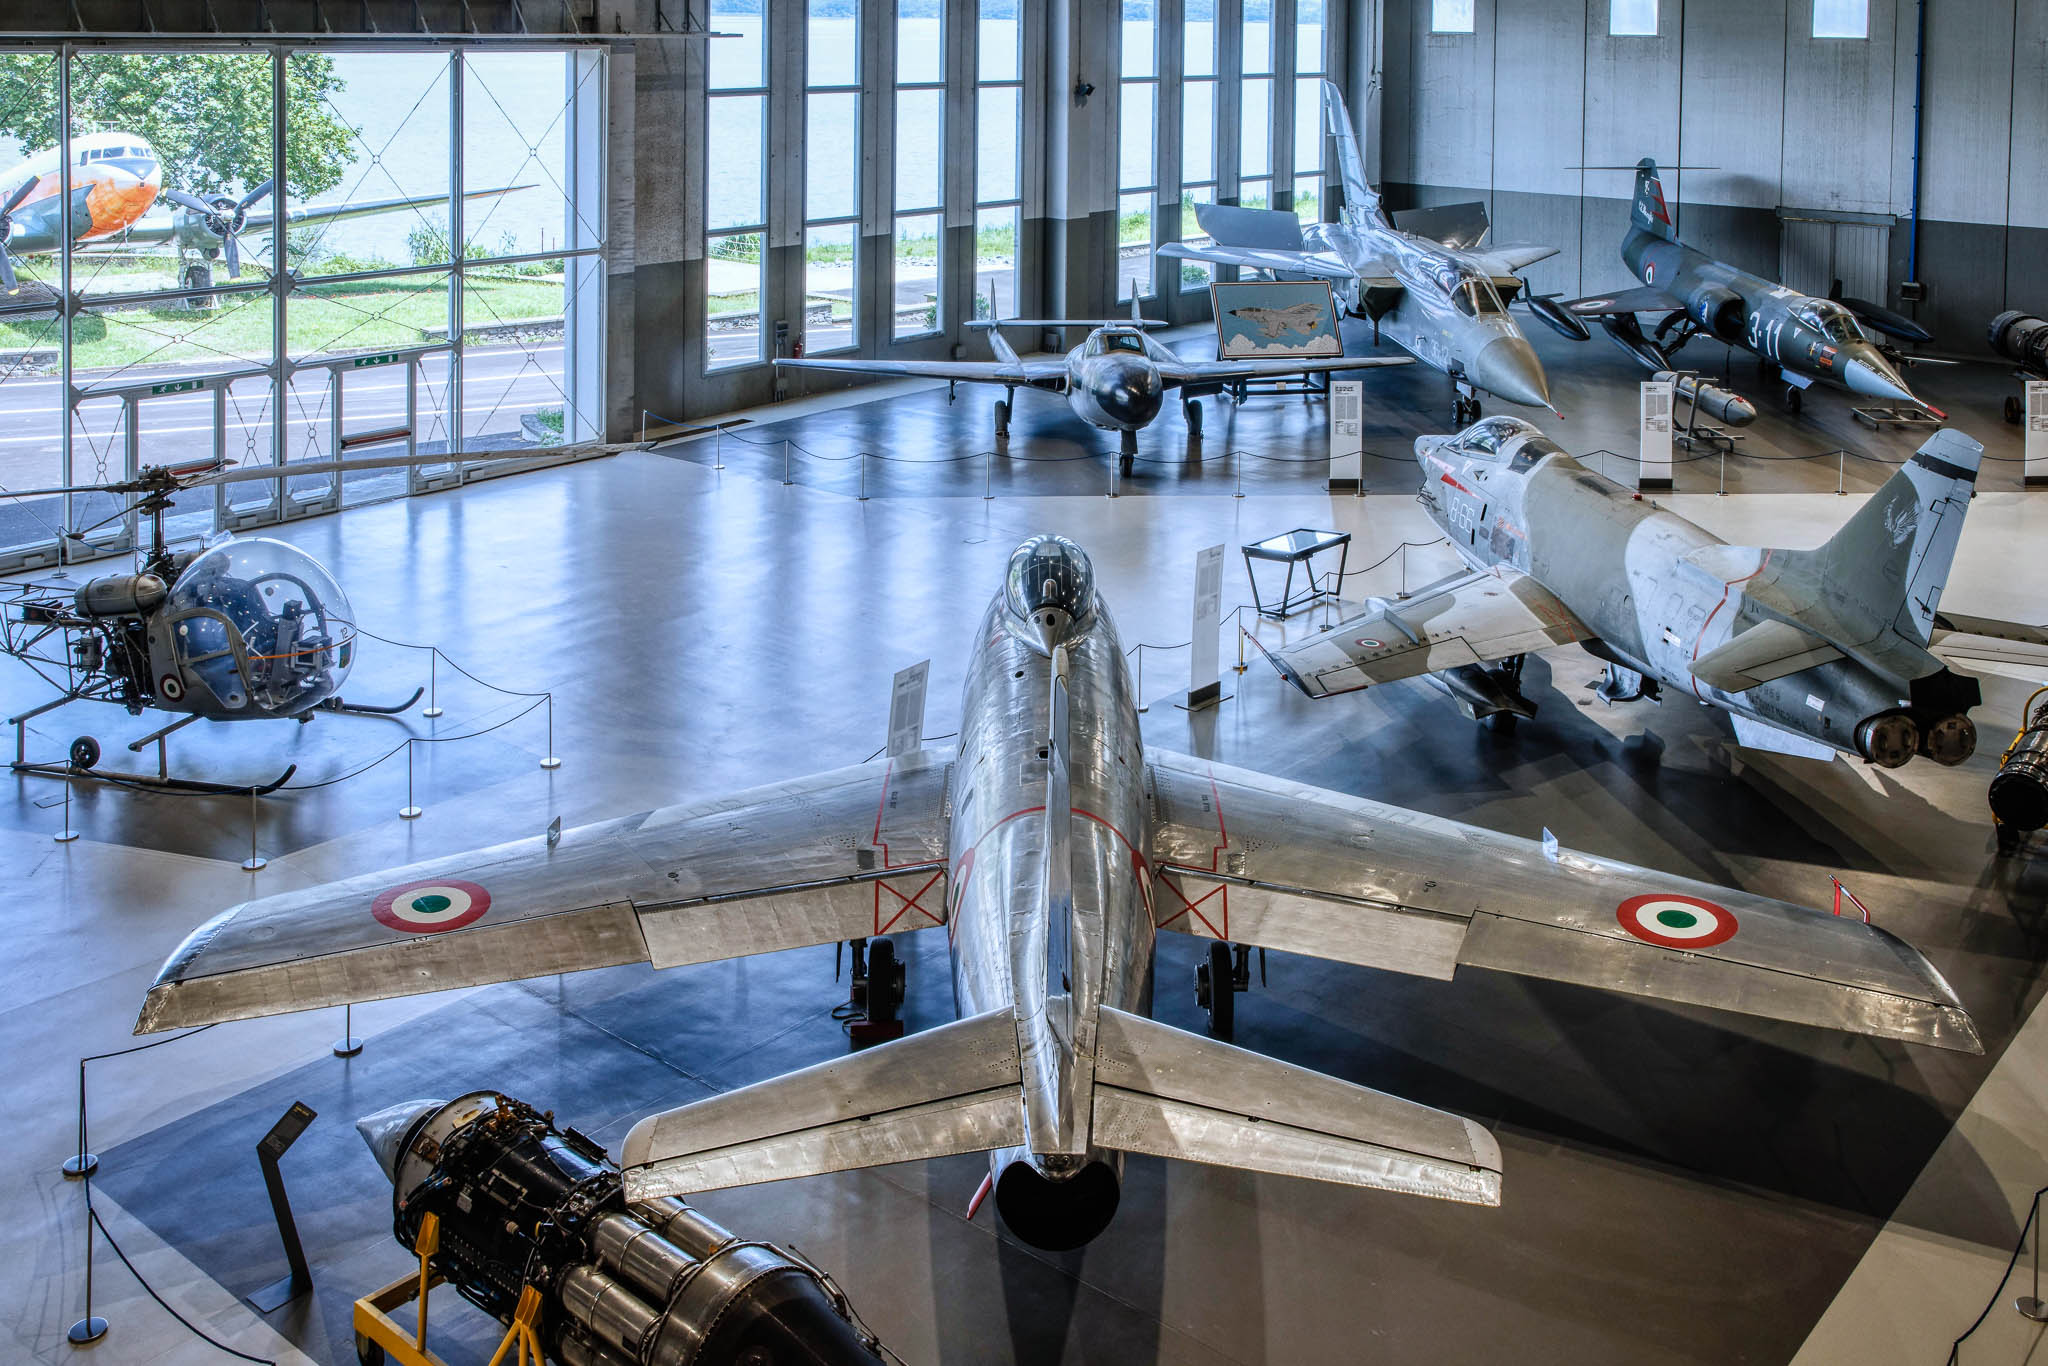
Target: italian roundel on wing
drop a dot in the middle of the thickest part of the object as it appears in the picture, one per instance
(431, 907)
(1676, 921)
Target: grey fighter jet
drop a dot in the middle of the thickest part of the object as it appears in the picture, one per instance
(1051, 850)
(1276, 322)
(1117, 379)
(1803, 337)
(1837, 650)
(1427, 278)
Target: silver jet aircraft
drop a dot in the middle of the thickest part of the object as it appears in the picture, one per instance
(1804, 337)
(1117, 379)
(1838, 650)
(1051, 850)
(1427, 278)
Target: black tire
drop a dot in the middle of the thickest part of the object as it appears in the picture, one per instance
(885, 980)
(2015, 411)
(1222, 991)
(1124, 464)
(1002, 418)
(1501, 722)
(1193, 411)
(85, 752)
(1794, 399)
(1477, 410)
(368, 1352)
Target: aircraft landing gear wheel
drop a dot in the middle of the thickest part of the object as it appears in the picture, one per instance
(1193, 412)
(1002, 419)
(369, 1352)
(85, 752)
(1216, 990)
(1794, 400)
(886, 979)
(1501, 722)
(2014, 409)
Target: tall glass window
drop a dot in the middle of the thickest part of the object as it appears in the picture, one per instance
(1632, 18)
(735, 202)
(1310, 143)
(1198, 171)
(1137, 149)
(1450, 16)
(1255, 148)
(831, 175)
(998, 162)
(920, 160)
(1841, 18)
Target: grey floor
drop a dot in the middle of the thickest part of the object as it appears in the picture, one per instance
(1680, 1186)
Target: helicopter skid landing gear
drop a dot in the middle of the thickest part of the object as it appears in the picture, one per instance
(335, 704)
(157, 782)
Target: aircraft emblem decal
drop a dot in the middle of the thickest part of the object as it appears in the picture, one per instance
(432, 907)
(1899, 520)
(1675, 921)
(1369, 643)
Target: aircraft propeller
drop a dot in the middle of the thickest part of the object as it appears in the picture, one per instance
(21, 192)
(223, 217)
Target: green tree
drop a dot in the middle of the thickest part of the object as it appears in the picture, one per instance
(206, 115)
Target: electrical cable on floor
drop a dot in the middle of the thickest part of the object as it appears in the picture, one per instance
(2033, 1210)
(94, 1216)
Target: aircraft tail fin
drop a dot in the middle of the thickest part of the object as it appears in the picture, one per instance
(1361, 202)
(1000, 344)
(1167, 1092)
(938, 1093)
(1895, 552)
(1650, 213)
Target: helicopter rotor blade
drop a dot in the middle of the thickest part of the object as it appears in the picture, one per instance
(385, 462)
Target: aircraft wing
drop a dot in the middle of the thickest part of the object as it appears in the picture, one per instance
(1252, 859)
(1033, 374)
(1641, 299)
(1510, 257)
(1231, 371)
(1469, 618)
(158, 228)
(853, 852)
(1321, 264)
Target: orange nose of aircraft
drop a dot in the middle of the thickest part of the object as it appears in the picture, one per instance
(122, 190)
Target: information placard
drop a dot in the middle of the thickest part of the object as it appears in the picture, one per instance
(1347, 433)
(1205, 686)
(2037, 433)
(1654, 470)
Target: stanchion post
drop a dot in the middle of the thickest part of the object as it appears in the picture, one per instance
(255, 863)
(1240, 640)
(551, 761)
(862, 457)
(67, 834)
(410, 811)
(2031, 1306)
(1723, 491)
(1142, 704)
(81, 1163)
(1841, 470)
(785, 461)
(718, 449)
(91, 1328)
(1237, 461)
(433, 682)
(1404, 571)
(988, 475)
(348, 1045)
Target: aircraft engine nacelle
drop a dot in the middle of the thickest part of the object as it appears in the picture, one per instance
(1719, 310)
(2021, 339)
(1888, 739)
(1057, 1203)
(521, 1203)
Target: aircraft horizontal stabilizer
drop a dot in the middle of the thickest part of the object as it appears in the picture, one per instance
(1751, 733)
(939, 1093)
(1460, 227)
(1640, 299)
(1770, 649)
(1229, 225)
(1322, 265)
(1167, 1092)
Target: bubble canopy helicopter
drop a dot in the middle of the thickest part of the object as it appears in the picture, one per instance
(239, 629)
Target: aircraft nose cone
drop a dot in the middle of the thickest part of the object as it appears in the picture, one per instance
(1130, 393)
(1873, 377)
(1507, 366)
(385, 1131)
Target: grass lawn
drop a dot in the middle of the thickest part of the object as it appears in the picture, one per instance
(359, 315)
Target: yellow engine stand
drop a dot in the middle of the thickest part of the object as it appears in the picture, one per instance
(375, 1327)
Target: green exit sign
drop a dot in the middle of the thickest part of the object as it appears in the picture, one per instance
(388, 358)
(176, 386)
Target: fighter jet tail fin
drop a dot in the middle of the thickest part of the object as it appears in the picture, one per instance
(1167, 1092)
(1650, 213)
(1361, 201)
(1895, 552)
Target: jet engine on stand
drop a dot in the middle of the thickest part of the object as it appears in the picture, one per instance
(2019, 790)
(520, 1208)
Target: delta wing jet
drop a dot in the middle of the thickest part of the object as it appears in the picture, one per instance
(1428, 278)
(1117, 379)
(1837, 650)
(1051, 850)
(1804, 337)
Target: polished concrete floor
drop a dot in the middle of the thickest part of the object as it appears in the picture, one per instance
(1681, 1186)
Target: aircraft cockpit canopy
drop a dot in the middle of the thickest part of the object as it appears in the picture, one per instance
(1475, 297)
(1831, 320)
(1504, 438)
(257, 626)
(1123, 340)
(1047, 575)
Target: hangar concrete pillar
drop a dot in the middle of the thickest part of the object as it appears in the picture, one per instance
(1081, 165)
